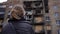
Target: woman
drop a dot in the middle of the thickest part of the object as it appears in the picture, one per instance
(17, 24)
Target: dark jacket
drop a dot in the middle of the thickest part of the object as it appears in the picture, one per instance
(18, 27)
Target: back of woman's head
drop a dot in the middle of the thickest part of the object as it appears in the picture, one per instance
(17, 12)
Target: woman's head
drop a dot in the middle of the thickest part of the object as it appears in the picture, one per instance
(17, 12)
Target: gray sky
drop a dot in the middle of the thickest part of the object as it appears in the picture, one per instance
(2, 1)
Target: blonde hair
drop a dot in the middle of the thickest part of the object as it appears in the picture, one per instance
(17, 12)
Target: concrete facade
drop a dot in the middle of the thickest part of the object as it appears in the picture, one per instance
(54, 6)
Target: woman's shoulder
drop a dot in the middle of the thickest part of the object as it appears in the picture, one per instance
(8, 29)
(8, 25)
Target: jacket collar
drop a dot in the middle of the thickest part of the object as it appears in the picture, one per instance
(15, 20)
